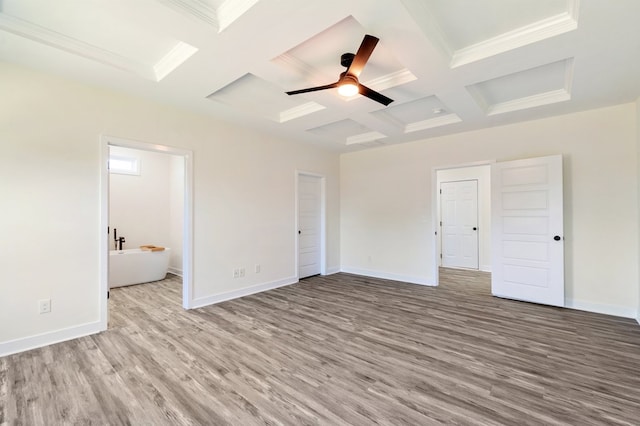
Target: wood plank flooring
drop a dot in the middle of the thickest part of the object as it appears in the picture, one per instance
(333, 350)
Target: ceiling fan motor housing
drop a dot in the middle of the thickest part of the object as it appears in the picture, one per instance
(346, 59)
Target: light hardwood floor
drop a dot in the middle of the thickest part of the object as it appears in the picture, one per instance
(335, 350)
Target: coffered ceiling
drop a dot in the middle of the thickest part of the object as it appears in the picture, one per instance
(449, 65)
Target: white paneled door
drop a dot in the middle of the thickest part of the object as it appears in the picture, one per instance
(459, 224)
(309, 225)
(527, 223)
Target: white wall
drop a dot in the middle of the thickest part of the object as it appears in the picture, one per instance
(244, 207)
(483, 175)
(386, 207)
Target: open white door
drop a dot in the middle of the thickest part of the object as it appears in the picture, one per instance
(527, 224)
(459, 222)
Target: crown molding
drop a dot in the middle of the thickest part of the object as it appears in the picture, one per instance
(69, 44)
(432, 122)
(537, 31)
(364, 137)
(391, 80)
(300, 111)
(173, 59)
(231, 10)
(546, 98)
(195, 9)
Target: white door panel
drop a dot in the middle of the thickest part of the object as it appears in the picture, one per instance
(459, 214)
(309, 225)
(527, 223)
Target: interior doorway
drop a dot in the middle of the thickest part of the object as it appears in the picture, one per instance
(465, 203)
(310, 224)
(178, 214)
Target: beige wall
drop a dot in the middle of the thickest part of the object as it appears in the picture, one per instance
(386, 209)
(244, 192)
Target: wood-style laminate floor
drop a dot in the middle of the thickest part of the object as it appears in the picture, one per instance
(333, 350)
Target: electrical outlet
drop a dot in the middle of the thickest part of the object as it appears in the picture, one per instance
(242, 272)
(236, 273)
(44, 306)
(257, 268)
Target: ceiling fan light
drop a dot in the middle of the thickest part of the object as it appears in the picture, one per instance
(347, 89)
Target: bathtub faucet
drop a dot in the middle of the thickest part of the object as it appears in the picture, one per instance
(120, 241)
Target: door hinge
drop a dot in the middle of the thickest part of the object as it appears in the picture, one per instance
(108, 294)
(440, 255)
(440, 223)
(441, 191)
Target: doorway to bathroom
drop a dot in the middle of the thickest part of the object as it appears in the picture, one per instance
(145, 216)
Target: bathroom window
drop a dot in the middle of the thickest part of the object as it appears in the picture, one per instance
(124, 165)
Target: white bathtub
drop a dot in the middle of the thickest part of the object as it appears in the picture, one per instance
(135, 266)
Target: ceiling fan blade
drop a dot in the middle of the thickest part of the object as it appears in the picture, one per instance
(364, 52)
(313, 89)
(372, 94)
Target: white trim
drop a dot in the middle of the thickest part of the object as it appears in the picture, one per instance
(175, 271)
(600, 308)
(173, 59)
(187, 237)
(388, 276)
(49, 338)
(528, 34)
(485, 268)
(432, 122)
(234, 294)
(364, 137)
(300, 111)
(323, 221)
(540, 99)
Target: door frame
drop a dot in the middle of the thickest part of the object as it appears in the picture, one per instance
(187, 226)
(439, 219)
(435, 208)
(323, 222)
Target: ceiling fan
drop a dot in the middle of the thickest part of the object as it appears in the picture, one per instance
(348, 84)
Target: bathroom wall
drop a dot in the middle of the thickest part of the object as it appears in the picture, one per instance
(139, 205)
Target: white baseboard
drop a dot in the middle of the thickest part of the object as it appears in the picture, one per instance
(333, 270)
(485, 268)
(222, 297)
(601, 308)
(49, 338)
(175, 271)
(388, 276)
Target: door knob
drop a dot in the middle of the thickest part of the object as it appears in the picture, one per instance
(557, 238)
(299, 231)
(474, 228)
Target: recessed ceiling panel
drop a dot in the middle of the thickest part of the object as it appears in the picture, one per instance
(348, 132)
(469, 31)
(316, 61)
(255, 95)
(534, 87)
(115, 33)
(421, 114)
(465, 22)
(217, 13)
